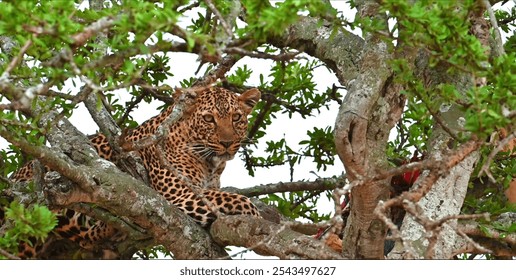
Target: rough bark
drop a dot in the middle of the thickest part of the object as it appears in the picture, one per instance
(447, 194)
(360, 131)
(340, 50)
(370, 109)
(129, 199)
(268, 238)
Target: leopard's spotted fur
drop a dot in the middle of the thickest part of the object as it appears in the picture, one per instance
(193, 157)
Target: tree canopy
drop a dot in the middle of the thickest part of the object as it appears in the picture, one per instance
(424, 133)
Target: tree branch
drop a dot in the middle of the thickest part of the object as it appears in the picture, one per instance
(276, 57)
(149, 210)
(8, 255)
(340, 50)
(317, 185)
(268, 238)
(498, 46)
(222, 21)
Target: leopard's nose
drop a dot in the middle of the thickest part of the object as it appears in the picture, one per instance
(226, 144)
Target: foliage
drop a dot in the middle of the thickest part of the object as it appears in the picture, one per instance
(27, 225)
(264, 20)
(438, 28)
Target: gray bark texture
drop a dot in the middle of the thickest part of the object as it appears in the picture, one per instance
(447, 194)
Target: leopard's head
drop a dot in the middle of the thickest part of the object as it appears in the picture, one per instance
(218, 122)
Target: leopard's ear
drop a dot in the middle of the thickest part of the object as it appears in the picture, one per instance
(249, 99)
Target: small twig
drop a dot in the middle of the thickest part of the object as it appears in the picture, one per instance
(219, 72)
(260, 118)
(496, 29)
(154, 91)
(507, 20)
(501, 145)
(474, 230)
(40, 30)
(475, 245)
(14, 62)
(333, 94)
(53, 93)
(222, 21)
(438, 119)
(5, 180)
(80, 38)
(461, 217)
(239, 253)
(433, 228)
(69, 56)
(276, 57)
(188, 7)
(380, 211)
(303, 111)
(129, 108)
(8, 255)
(97, 88)
(27, 126)
(305, 198)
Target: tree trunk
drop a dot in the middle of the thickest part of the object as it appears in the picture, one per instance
(447, 194)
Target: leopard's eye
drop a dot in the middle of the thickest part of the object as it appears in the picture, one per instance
(208, 118)
(237, 117)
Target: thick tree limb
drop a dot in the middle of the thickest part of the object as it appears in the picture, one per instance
(361, 67)
(340, 50)
(103, 184)
(128, 198)
(267, 238)
(370, 109)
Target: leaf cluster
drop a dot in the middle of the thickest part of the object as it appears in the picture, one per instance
(264, 20)
(290, 90)
(27, 225)
(295, 205)
(442, 30)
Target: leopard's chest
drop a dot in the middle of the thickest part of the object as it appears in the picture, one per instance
(180, 167)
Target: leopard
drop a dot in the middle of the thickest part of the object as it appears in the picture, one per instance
(184, 168)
